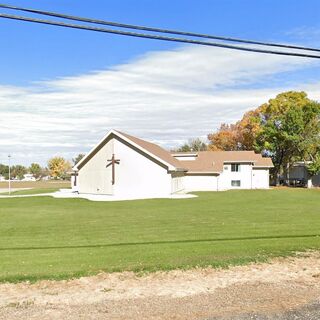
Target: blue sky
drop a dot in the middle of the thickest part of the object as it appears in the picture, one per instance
(63, 89)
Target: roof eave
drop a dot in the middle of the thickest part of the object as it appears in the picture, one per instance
(118, 134)
(271, 166)
(204, 172)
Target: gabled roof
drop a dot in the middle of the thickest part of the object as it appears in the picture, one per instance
(205, 161)
(213, 161)
(154, 151)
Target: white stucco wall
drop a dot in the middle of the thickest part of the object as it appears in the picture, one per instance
(135, 175)
(200, 183)
(260, 178)
(94, 177)
(244, 175)
(250, 179)
(177, 182)
(138, 175)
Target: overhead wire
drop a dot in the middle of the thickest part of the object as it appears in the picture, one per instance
(156, 37)
(153, 29)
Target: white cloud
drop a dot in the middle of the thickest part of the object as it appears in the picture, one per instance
(309, 35)
(166, 97)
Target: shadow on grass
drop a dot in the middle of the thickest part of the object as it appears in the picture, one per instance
(123, 244)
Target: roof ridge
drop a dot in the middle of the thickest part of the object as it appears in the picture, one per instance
(154, 149)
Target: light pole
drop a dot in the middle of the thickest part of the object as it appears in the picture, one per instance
(9, 156)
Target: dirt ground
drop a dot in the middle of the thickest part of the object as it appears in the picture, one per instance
(285, 288)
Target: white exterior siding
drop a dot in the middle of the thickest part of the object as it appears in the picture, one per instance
(146, 170)
(136, 174)
(201, 182)
(177, 182)
(260, 178)
(94, 177)
(244, 176)
(249, 178)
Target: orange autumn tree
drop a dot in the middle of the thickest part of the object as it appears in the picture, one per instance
(224, 139)
(286, 128)
(239, 136)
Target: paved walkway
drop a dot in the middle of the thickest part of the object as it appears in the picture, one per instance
(68, 194)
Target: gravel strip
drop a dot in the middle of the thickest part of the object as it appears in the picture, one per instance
(284, 289)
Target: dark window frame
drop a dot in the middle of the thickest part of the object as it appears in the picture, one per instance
(235, 167)
(235, 183)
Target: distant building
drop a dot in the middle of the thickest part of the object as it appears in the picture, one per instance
(123, 165)
(28, 177)
(299, 176)
(2, 178)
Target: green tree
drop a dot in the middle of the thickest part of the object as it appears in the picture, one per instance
(193, 145)
(18, 171)
(290, 130)
(59, 167)
(314, 166)
(35, 169)
(285, 128)
(78, 158)
(4, 170)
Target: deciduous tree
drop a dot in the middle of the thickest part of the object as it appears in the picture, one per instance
(78, 158)
(35, 169)
(195, 144)
(59, 167)
(286, 128)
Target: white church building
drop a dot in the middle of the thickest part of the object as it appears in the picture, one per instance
(125, 166)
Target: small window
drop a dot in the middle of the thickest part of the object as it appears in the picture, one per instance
(235, 167)
(235, 183)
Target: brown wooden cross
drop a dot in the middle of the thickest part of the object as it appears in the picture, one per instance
(113, 161)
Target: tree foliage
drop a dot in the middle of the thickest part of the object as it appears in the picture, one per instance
(18, 171)
(4, 171)
(224, 139)
(285, 128)
(314, 166)
(59, 167)
(36, 170)
(78, 158)
(192, 145)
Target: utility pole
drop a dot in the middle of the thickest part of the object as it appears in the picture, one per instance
(9, 156)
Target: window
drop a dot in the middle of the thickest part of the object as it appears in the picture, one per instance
(235, 183)
(235, 167)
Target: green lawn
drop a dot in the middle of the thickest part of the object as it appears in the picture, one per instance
(34, 191)
(43, 237)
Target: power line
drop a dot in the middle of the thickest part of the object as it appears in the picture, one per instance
(158, 30)
(156, 37)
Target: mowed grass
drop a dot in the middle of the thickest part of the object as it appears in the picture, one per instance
(47, 238)
(36, 184)
(34, 191)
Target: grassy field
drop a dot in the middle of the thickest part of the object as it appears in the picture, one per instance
(33, 191)
(36, 184)
(43, 237)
